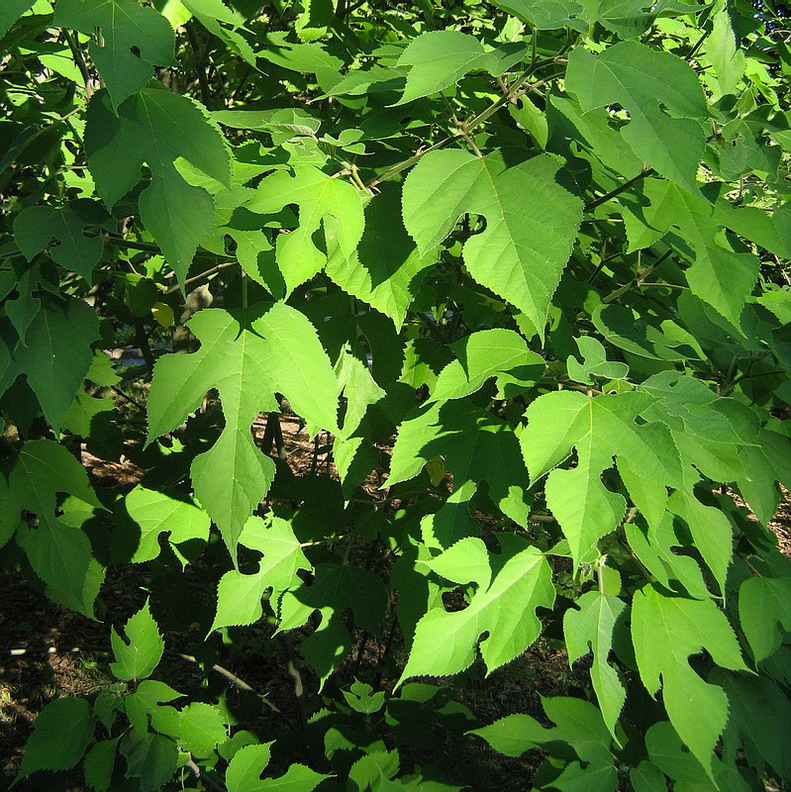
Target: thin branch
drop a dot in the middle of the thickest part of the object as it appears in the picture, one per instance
(206, 779)
(80, 61)
(231, 677)
(146, 247)
(618, 190)
(467, 126)
(200, 67)
(205, 275)
(123, 395)
(407, 163)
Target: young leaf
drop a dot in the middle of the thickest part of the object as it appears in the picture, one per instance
(323, 201)
(138, 655)
(61, 733)
(593, 624)
(35, 227)
(601, 429)
(156, 513)
(531, 221)
(134, 40)
(247, 356)
(55, 355)
(59, 553)
(666, 630)
(446, 643)
(440, 58)
(669, 138)
(764, 607)
(488, 353)
(239, 595)
(156, 127)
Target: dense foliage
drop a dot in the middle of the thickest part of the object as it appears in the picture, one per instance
(517, 268)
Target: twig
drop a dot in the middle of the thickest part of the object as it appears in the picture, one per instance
(465, 127)
(145, 347)
(618, 190)
(231, 677)
(205, 275)
(298, 691)
(80, 61)
(206, 779)
(203, 82)
(145, 247)
(123, 395)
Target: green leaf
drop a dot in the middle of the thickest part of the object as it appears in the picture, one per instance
(202, 727)
(440, 58)
(669, 137)
(579, 724)
(150, 758)
(764, 607)
(673, 758)
(383, 269)
(601, 429)
(489, 353)
(759, 710)
(719, 275)
(286, 119)
(476, 447)
(543, 14)
(244, 770)
(156, 127)
(61, 733)
(224, 23)
(56, 355)
(247, 356)
(59, 552)
(361, 698)
(145, 711)
(729, 61)
(244, 773)
(358, 387)
(138, 655)
(531, 221)
(594, 624)
(35, 227)
(595, 363)
(11, 11)
(156, 513)
(337, 589)
(239, 595)
(324, 202)
(446, 643)
(711, 532)
(99, 764)
(647, 777)
(124, 26)
(666, 630)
